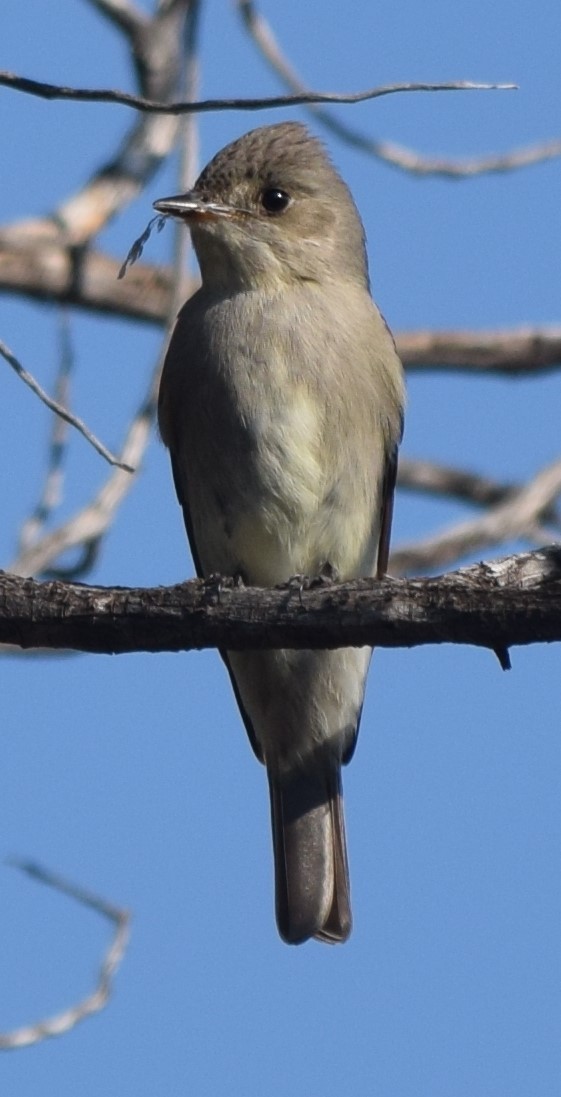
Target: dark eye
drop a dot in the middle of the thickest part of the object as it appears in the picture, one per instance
(275, 200)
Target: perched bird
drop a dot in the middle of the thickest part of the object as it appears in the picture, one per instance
(281, 403)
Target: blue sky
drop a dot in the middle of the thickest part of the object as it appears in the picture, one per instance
(133, 776)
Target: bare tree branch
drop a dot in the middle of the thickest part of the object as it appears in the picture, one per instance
(72, 420)
(35, 263)
(156, 52)
(513, 518)
(520, 351)
(204, 106)
(188, 162)
(63, 1022)
(90, 523)
(470, 166)
(434, 479)
(123, 14)
(468, 487)
(52, 488)
(516, 600)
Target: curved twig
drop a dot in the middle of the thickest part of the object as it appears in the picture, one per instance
(106, 95)
(72, 420)
(94, 1002)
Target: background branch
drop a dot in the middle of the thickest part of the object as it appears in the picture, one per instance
(59, 410)
(89, 524)
(33, 266)
(389, 152)
(51, 494)
(94, 1002)
(525, 350)
(434, 479)
(122, 13)
(515, 517)
(155, 46)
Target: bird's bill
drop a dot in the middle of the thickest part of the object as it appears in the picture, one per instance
(188, 207)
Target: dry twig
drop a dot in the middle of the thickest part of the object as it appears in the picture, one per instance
(123, 14)
(63, 1022)
(52, 487)
(90, 523)
(155, 48)
(72, 420)
(138, 102)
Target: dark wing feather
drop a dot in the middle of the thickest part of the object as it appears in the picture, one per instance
(388, 488)
(247, 722)
(182, 497)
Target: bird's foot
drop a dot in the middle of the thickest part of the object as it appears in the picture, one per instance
(215, 583)
(326, 576)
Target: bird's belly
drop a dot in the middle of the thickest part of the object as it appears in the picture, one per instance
(292, 506)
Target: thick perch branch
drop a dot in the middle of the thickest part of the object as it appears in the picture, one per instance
(516, 600)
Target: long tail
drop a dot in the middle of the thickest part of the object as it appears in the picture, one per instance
(311, 872)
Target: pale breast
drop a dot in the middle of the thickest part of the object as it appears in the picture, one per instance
(279, 437)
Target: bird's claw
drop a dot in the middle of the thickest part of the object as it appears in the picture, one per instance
(215, 583)
(325, 577)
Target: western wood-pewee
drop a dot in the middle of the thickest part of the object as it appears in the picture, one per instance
(281, 403)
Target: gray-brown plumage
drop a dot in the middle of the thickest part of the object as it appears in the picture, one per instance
(281, 403)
